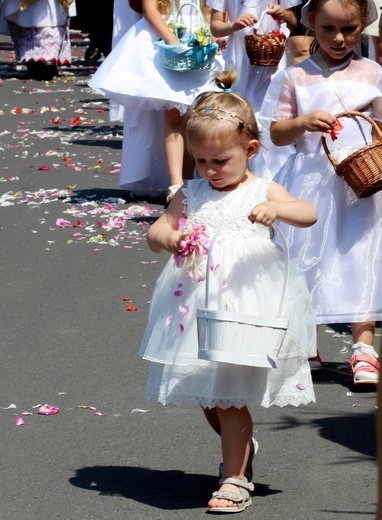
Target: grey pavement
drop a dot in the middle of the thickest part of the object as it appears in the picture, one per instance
(67, 339)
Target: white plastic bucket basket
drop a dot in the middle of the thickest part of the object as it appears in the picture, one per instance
(241, 339)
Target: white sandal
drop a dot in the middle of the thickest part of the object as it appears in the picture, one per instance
(242, 499)
(171, 190)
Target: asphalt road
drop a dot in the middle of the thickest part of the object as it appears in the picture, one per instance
(71, 261)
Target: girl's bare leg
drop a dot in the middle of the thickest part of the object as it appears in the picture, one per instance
(212, 417)
(236, 438)
(174, 145)
(363, 332)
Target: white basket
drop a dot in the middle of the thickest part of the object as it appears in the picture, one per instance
(241, 339)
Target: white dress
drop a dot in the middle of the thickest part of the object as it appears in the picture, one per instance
(247, 278)
(341, 254)
(133, 76)
(253, 80)
(123, 19)
(42, 13)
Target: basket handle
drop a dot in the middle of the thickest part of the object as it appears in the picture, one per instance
(286, 255)
(349, 113)
(196, 6)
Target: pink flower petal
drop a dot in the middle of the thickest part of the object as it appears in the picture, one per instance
(61, 222)
(19, 421)
(178, 293)
(299, 387)
(181, 328)
(47, 409)
(168, 320)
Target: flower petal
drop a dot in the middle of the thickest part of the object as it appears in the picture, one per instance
(47, 409)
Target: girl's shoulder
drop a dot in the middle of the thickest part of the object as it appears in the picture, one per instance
(359, 70)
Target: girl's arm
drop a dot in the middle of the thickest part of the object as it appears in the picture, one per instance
(282, 206)
(163, 235)
(220, 27)
(153, 16)
(287, 131)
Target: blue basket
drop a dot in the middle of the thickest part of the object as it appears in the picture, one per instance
(195, 58)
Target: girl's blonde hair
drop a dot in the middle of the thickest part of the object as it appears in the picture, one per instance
(361, 6)
(215, 107)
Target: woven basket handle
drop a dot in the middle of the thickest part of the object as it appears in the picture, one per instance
(286, 256)
(195, 5)
(349, 113)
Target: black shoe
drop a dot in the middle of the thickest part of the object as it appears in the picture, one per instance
(92, 54)
(42, 70)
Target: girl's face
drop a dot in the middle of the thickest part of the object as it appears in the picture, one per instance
(224, 163)
(338, 29)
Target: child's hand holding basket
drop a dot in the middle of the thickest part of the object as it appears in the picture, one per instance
(266, 45)
(196, 52)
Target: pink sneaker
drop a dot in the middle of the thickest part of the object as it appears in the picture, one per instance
(364, 364)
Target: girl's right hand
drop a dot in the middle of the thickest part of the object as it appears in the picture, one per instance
(172, 242)
(244, 20)
(318, 121)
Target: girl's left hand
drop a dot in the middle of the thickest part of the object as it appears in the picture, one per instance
(264, 213)
(222, 42)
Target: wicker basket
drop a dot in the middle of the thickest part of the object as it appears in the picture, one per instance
(241, 339)
(362, 170)
(265, 50)
(195, 57)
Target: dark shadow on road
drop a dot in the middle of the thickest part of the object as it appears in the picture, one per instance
(110, 195)
(169, 490)
(107, 143)
(356, 432)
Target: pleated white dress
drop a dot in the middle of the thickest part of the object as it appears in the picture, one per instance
(247, 278)
(341, 254)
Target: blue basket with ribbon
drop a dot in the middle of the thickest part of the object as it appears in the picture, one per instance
(189, 54)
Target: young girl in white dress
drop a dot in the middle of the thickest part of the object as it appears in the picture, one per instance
(235, 19)
(155, 101)
(247, 277)
(342, 254)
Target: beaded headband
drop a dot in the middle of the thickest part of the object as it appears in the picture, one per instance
(211, 111)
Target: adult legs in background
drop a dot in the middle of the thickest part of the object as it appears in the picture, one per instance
(41, 48)
(97, 15)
